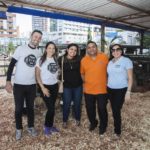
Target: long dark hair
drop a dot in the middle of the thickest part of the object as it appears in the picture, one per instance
(111, 47)
(70, 45)
(43, 58)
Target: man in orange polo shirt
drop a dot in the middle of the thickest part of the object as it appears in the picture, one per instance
(94, 75)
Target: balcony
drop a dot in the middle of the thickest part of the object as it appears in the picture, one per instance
(8, 35)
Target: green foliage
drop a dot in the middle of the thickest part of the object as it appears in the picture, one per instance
(107, 44)
(10, 48)
(89, 36)
(146, 41)
(1, 48)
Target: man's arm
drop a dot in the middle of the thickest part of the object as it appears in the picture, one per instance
(11, 66)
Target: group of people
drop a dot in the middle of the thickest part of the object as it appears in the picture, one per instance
(99, 78)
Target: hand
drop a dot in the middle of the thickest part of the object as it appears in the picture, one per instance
(128, 95)
(8, 86)
(45, 92)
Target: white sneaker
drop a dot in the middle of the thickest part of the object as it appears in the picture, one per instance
(116, 136)
(18, 134)
(32, 131)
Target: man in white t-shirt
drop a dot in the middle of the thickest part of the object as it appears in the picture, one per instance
(24, 58)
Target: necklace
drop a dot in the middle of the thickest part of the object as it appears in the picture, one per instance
(71, 67)
(70, 64)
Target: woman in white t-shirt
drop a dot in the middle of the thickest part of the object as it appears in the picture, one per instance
(120, 70)
(47, 78)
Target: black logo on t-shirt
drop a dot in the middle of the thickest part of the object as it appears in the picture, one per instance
(30, 60)
(52, 67)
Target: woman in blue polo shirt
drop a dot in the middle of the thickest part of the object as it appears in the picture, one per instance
(120, 74)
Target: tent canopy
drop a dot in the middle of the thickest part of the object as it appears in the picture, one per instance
(125, 14)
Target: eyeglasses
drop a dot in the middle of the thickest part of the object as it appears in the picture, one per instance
(117, 49)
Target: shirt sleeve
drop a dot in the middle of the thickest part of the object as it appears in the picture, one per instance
(38, 63)
(17, 53)
(10, 69)
(129, 64)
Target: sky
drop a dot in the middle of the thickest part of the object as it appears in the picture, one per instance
(25, 24)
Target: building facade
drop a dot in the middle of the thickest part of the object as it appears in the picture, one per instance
(64, 32)
(8, 28)
(40, 23)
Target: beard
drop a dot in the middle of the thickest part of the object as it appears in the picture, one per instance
(34, 43)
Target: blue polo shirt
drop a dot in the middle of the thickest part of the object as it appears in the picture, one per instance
(117, 73)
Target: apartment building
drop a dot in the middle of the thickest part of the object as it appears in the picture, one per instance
(8, 28)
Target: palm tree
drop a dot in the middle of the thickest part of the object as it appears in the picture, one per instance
(111, 42)
(89, 36)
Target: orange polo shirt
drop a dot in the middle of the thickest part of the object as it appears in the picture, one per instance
(95, 74)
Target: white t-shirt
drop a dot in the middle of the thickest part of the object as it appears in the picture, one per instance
(117, 73)
(25, 67)
(49, 71)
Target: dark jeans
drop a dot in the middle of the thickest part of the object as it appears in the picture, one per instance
(116, 97)
(75, 95)
(50, 104)
(90, 101)
(21, 93)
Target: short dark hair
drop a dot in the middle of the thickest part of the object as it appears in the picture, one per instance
(38, 31)
(89, 42)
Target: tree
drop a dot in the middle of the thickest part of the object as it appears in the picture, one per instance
(111, 42)
(89, 36)
(1, 48)
(146, 41)
(10, 48)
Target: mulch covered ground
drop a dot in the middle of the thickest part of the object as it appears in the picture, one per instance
(135, 135)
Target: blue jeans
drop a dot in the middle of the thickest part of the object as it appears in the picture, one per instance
(75, 95)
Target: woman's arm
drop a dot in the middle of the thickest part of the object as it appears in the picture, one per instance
(130, 82)
(130, 79)
(39, 81)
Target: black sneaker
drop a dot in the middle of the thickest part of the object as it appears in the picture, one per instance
(101, 132)
(93, 126)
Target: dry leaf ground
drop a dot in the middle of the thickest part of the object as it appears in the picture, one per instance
(135, 126)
